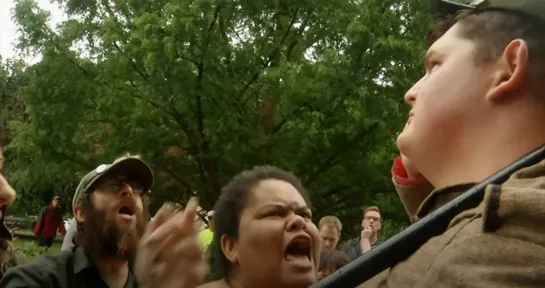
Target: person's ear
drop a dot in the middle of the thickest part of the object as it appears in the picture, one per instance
(511, 71)
(229, 248)
(78, 213)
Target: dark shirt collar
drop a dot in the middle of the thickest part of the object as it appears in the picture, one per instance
(81, 261)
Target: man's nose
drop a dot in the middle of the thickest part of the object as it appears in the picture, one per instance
(410, 96)
(126, 190)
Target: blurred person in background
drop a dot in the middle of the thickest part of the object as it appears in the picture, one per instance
(370, 226)
(71, 232)
(331, 261)
(49, 222)
(207, 235)
(264, 234)
(330, 232)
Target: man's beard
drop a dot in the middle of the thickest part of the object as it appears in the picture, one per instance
(104, 239)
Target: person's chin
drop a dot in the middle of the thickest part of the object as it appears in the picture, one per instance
(301, 280)
(403, 140)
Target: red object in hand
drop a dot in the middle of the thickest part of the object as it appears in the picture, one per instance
(401, 177)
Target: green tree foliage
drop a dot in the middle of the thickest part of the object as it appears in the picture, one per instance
(203, 89)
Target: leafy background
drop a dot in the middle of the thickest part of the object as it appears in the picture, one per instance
(204, 89)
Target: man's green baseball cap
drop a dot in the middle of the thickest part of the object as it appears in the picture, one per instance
(534, 9)
(131, 167)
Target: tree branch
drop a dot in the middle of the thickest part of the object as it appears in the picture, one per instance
(200, 76)
(334, 158)
(294, 113)
(68, 157)
(298, 34)
(180, 180)
(269, 59)
(143, 75)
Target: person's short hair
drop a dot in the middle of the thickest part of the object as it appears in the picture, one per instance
(331, 221)
(440, 25)
(332, 260)
(372, 208)
(233, 199)
(492, 31)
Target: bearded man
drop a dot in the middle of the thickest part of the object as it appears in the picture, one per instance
(111, 213)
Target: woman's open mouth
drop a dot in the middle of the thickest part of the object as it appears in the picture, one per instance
(299, 251)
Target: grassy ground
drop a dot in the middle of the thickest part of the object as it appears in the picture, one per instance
(56, 247)
(29, 246)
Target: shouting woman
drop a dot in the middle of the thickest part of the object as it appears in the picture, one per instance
(264, 232)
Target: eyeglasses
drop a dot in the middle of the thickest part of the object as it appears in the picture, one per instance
(376, 219)
(115, 184)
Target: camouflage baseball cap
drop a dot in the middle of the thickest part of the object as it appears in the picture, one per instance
(130, 166)
(534, 9)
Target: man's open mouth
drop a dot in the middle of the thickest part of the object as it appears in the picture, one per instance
(126, 210)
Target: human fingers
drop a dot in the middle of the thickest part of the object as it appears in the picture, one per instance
(193, 256)
(197, 275)
(165, 212)
(174, 228)
(189, 251)
(190, 213)
(190, 277)
(182, 263)
(154, 256)
(185, 229)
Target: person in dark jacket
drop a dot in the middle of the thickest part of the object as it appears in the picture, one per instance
(49, 222)
(370, 225)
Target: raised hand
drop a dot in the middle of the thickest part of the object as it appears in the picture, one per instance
(366, 232)
(169, 254)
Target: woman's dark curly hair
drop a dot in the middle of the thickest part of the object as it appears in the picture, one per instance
(233, 199)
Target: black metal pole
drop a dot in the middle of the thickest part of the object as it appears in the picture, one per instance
(404, 244)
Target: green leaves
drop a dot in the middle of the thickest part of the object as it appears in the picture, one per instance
(204, 89)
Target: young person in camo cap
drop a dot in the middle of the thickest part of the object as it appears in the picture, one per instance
(479, 107)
